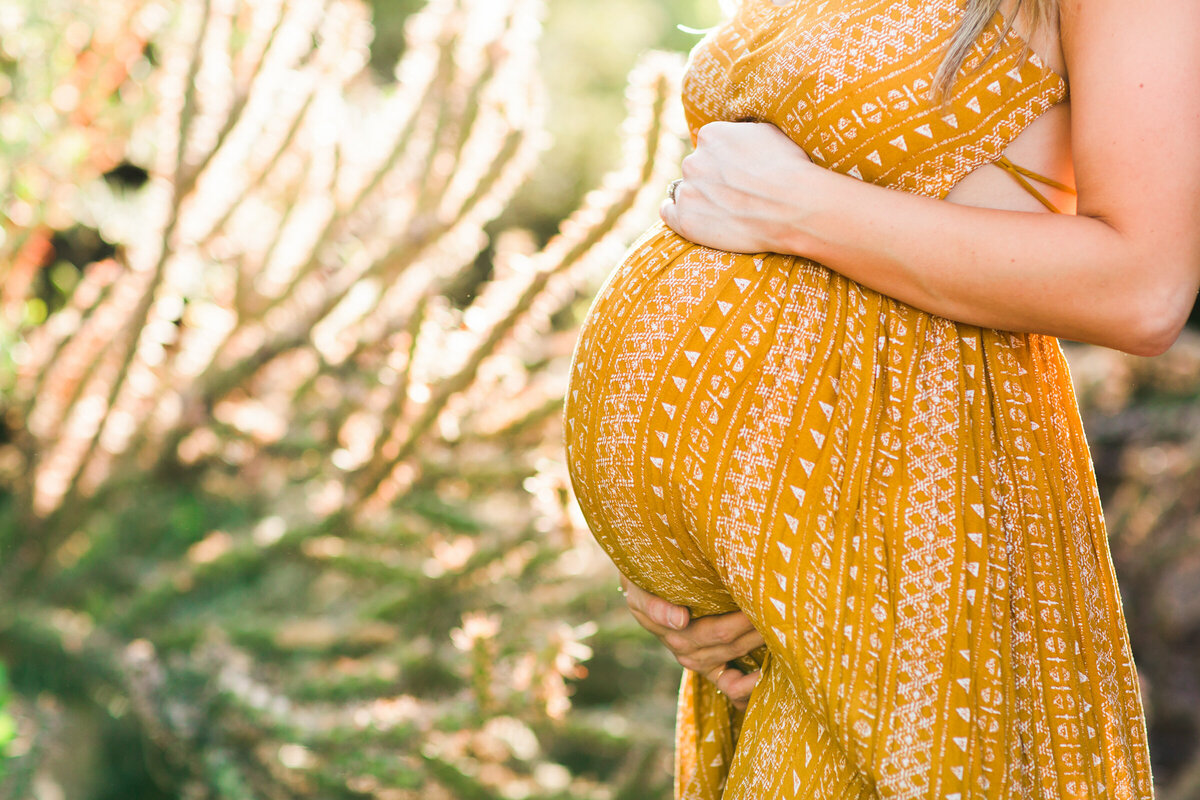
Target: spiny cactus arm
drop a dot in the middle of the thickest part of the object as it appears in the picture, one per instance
(45, 345)
(457, 115)
(251, 66)
(508, 166)
(291, 64)
(516, 426)
(60, 505)
(51, 391)
(583, 230)
(382, 342)
(405, 253)
(248, 302)
(412, 106)
(383, 317)
(60, 508)
(654, 78)
(510, 163)
(425, 236)
(395, 408)
(438, 105)
(427, 64)
(184, 174)
(260, 23)
(651, 148)
(55, 482)
(288, 44)
(579, 234)
(216, 381)
(261, 174)
(422, 233)
(166, 454)
(61, 359)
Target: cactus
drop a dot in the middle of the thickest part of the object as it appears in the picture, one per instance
(283, 480)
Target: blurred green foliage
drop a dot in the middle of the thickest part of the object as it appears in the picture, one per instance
(8, 727)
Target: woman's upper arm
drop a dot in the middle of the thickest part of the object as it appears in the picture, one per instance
(1135, 132)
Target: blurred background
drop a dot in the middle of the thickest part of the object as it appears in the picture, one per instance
(289, 292)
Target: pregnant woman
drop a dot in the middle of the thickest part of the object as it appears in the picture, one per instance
(825, 397)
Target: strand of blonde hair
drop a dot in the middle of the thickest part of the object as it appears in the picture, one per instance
(977, 16)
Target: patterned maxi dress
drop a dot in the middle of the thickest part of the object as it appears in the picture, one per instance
(903, 505)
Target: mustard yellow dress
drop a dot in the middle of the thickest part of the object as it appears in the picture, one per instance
(903, 505)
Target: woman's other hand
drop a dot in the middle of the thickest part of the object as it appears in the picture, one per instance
(743, 189)
(704, 645)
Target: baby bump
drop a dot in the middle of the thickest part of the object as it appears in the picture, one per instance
(669, 363)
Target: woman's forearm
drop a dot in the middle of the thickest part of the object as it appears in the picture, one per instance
(1123, 273)
(1075, 277)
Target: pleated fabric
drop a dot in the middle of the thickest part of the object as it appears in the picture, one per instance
(903, 505)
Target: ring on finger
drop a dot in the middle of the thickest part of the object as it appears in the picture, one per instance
(672, 187)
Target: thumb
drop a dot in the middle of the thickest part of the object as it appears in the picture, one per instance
(671, 615)
(661, 611)
(669, 214)
(657, 609)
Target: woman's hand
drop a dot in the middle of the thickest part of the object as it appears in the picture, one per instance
(742, 189)
(705, 645)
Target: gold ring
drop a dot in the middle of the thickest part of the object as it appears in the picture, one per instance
(672, 187)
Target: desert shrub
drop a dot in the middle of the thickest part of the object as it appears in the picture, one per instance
(283, 482)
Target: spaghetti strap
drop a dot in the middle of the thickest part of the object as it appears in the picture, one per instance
(1021, 173)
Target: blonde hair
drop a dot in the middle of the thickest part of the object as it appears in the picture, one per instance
(977, 16)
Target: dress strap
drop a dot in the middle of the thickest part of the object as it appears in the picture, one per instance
(1020, 174)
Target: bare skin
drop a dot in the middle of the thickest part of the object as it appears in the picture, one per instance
(1044, 146)
(1122, 271)
(704, 645)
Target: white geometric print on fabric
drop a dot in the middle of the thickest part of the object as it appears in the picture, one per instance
(903, 505)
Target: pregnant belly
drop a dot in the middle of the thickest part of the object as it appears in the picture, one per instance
(699, 374)
(666, 388)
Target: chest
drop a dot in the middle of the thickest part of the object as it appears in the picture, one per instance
(850, 81)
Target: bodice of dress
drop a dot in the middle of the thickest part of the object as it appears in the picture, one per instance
(849, 81)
